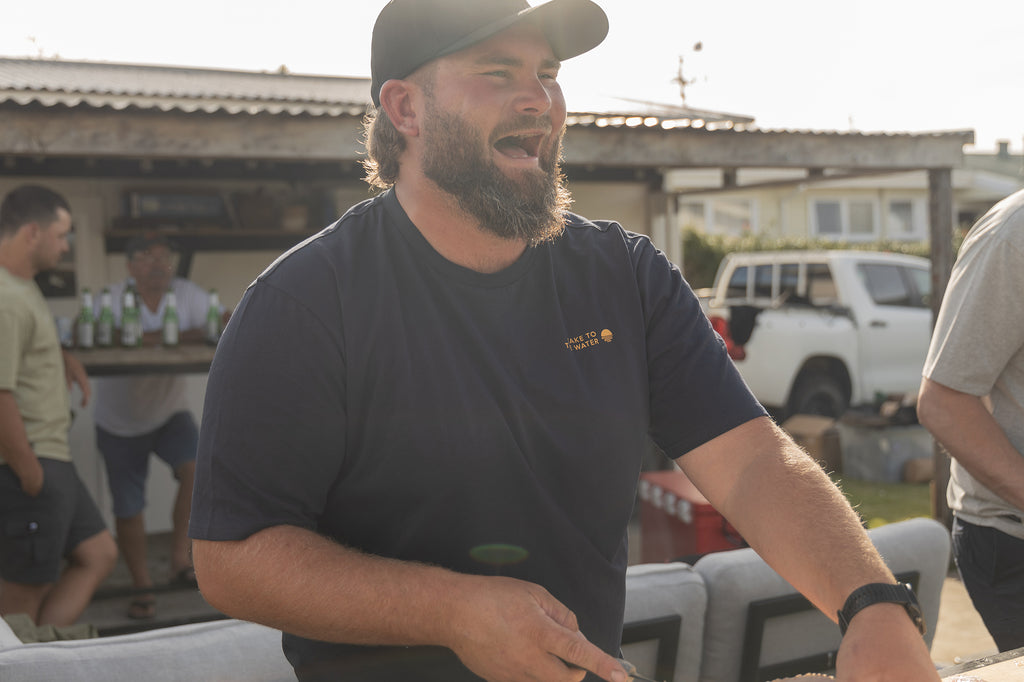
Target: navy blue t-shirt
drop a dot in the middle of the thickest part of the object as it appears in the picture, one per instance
(371, 390)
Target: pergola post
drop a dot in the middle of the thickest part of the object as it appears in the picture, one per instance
(940, 221)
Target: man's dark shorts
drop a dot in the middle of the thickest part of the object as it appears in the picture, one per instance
(36, 533)
(127, 459)
(991, 564)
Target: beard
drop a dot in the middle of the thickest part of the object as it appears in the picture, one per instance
(530, 206)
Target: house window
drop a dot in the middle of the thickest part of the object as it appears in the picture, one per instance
(862, 219)
(827, 219)
(904, 220)
(691, 215)
(730, 217)
(844, 219)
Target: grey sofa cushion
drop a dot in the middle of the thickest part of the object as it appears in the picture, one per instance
(220, 651)
(670, 589)
(736, 578)
(7, 636)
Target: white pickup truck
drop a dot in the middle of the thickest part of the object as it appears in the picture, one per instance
(815, 332)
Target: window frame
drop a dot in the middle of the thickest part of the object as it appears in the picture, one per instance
(846, 232)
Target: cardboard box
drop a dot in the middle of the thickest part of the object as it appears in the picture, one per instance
(919, 470)
(677, 522)
(819, 436)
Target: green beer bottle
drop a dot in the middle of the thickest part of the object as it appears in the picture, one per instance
(170, 321)
(131, 322)
(86, 323)
(213, 319)
(105, 321)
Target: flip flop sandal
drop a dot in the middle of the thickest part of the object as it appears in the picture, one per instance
(186, 577)
(142, 608)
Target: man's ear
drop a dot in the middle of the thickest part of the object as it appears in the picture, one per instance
(31, 231)
(397, 101)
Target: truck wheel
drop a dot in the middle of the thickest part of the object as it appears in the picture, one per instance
(819, 394)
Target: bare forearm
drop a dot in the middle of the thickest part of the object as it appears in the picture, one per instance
(295, 580)
(971, 435)
(789, 511)
(797, 520)
(75, 373)
(299, 582)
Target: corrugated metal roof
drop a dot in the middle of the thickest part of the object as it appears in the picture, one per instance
(56, 82)
(104, 84)
(50, 82)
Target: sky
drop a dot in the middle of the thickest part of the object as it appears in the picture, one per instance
(869, 66)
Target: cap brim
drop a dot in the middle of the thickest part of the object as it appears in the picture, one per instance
(572, 27)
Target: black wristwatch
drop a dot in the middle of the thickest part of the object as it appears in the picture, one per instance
(875, 593)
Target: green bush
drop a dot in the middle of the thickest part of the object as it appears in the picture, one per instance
(702, 253)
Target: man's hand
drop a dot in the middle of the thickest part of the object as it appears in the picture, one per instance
(30, 473)
(501, 628)
(16, 448)
(506, 629)
(883, 645)
(75, 373)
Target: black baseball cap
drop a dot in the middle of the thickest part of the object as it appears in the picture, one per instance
(410, 33)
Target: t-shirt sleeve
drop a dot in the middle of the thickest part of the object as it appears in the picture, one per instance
(696, 392)
(980, 326)
(10, 348)
(272, 440)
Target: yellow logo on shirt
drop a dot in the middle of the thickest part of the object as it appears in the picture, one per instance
(589, 339)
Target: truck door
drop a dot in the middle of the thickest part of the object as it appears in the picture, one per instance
(895, 330)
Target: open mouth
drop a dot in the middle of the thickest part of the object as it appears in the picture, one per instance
(519, 146)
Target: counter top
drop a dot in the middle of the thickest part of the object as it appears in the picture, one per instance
(183, 359)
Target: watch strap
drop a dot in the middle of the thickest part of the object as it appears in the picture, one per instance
(877, 593)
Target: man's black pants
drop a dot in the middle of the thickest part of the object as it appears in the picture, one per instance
(991, 565)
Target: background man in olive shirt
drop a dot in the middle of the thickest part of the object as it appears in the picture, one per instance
(46, 514)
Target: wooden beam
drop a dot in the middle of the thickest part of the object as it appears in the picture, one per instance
(724, 148)
(145, 134)
(133, 133)
(940, 221)
(811, 178)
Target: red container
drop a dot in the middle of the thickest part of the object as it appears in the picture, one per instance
(677, 522)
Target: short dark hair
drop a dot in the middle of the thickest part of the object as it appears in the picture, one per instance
(29, 203)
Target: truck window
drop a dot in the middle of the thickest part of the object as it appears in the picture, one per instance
(789, 283)
(737, 283)
(922, 281)
(886, 284)
(821, 288)
(763, 281)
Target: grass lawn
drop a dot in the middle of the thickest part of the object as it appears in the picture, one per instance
(882, 503)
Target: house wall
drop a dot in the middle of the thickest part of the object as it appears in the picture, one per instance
(95, 203)
(787, 208)
(625, 203)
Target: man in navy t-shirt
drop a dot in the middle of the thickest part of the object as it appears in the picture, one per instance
(424, 426)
